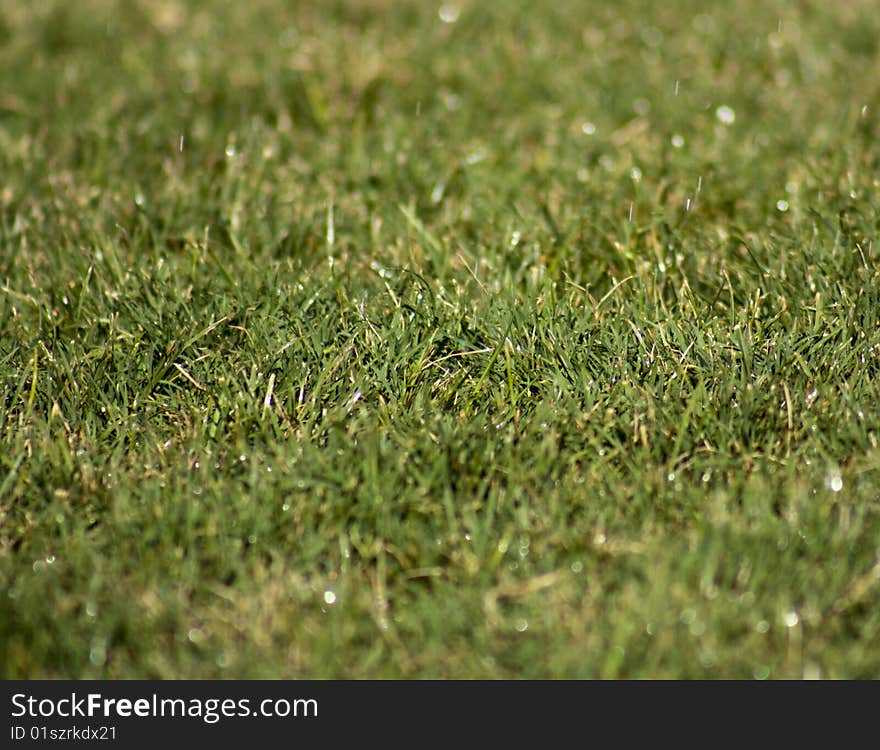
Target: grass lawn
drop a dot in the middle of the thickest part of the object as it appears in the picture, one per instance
(365, 339)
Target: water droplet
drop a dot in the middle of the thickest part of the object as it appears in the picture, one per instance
(762, 626)
(577, 566)
(98, 652)
(677, 141)
(725, 115)
(476, 156)
(782, 205)
(522, 625)
(790, 619)
(230, 150)
(449, 13)
(636, 174)
(452, 102)
(329, 597)
(835, 482)
(589, 128)
(50, 559)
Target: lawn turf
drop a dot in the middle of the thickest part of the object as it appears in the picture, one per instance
(403, 339)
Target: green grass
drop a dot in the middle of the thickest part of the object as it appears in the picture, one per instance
(337, 340)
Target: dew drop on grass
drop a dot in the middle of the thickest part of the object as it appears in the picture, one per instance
(835, 482)
(449, 13)
(98, 653)
(522, 625)
(725, 115)
(588, 128)
(790, 619)
(329, 597)
(641, 106)
(782, 205)
(677, 141)
(476, 156)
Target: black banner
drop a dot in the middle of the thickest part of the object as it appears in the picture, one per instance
(403, 714)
